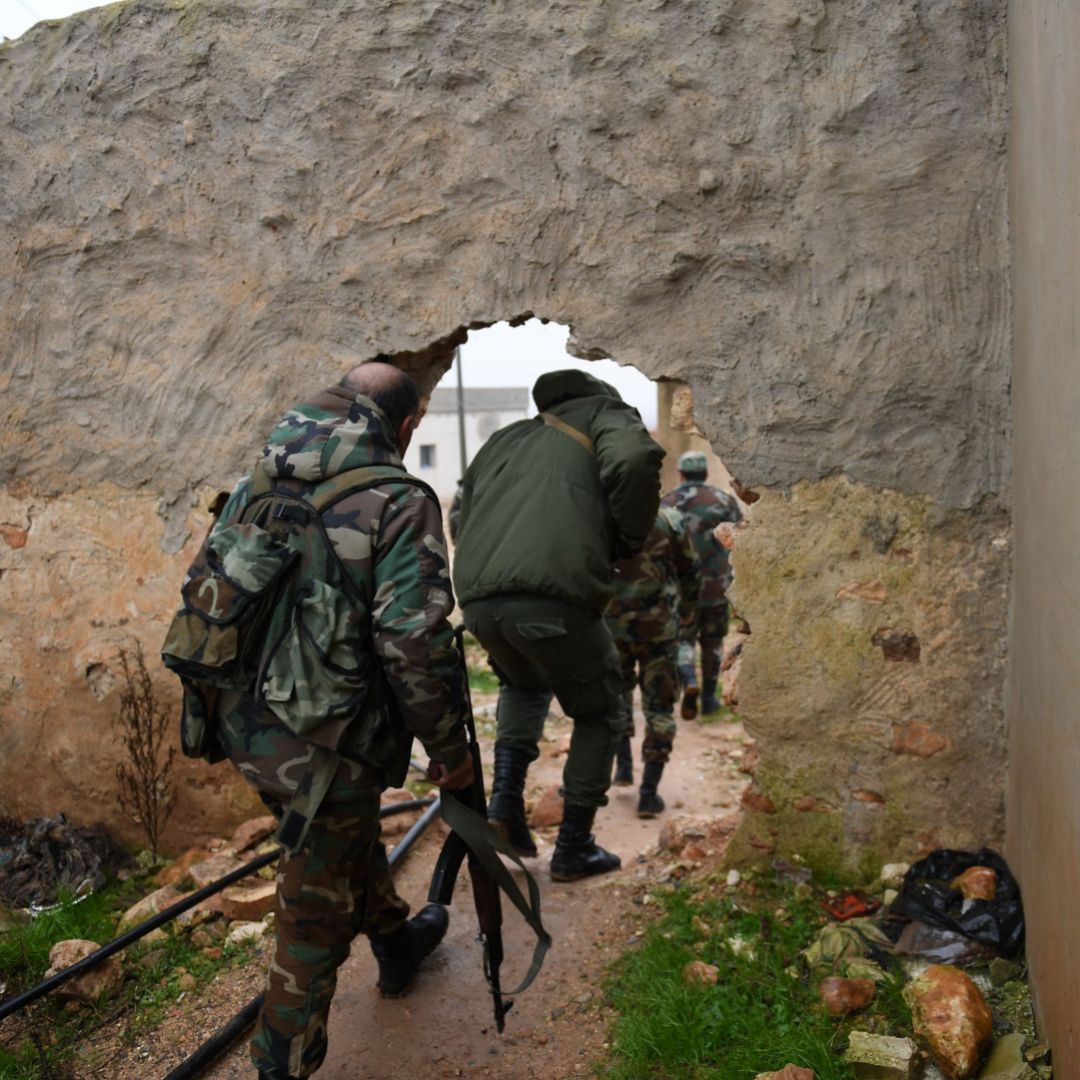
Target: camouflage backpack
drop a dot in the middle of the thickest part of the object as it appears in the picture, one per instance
(269, 611)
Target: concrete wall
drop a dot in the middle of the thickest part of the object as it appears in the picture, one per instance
(1044, 681)
(797, 208)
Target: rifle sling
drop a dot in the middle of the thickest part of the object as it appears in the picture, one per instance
(579, 437)
(486, 844)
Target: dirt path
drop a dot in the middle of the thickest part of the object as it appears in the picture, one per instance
(444, 1027)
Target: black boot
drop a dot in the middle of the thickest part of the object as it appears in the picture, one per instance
(577, 854)
(624, 763)
(690, 691)
(506, 810)
(709, 704)
(399, 954)
(649, 803)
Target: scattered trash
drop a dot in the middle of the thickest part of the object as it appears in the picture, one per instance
(43, 856)
(848, 950)
(851, 905)
(941, 946)
(929, 895)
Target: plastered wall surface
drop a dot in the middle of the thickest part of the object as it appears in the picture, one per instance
(795, 207)
(1044, 683)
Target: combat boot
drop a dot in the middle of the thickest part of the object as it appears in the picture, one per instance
(624, 763)
(577, 853)
(709, 704)
(506, 810)
(649, 802)
(688, 677)
(399, 954)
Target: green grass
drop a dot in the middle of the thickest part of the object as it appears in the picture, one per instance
(763, 1013)
(482, 680)
(24, 952)
(50, 1037)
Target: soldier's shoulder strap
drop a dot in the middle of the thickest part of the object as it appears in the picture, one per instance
(344, 484)
(579, 437)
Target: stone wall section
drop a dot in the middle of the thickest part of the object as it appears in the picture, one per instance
(796, 207)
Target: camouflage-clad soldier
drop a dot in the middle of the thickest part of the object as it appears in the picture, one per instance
(655, 591)
(390, 558)
(705, 507)
(548, 506)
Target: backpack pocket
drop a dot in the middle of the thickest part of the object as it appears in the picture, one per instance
(316, 679)
(213, 639)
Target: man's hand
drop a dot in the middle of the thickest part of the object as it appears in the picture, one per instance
(454, 779)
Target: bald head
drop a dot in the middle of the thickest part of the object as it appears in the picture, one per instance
(388, 386)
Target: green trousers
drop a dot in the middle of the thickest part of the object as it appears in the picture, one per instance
(653, 665)
(335, 887)
(710, 627)
(539, 647)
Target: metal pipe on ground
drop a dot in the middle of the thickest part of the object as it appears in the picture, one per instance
(222, 1039)
(27, 997)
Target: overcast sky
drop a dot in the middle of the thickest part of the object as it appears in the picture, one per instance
(17, 16)
(498, 356)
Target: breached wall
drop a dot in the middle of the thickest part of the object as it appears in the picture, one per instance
(796, 207)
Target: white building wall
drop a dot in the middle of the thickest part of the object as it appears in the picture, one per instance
(440, 431)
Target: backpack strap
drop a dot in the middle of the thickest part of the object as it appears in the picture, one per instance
(579, 437)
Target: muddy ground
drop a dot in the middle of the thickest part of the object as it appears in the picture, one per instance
(444, 1027)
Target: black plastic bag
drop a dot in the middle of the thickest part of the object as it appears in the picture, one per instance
(927, 895)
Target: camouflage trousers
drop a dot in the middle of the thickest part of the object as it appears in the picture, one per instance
(709, 628)
(337, 886)
(653, 666)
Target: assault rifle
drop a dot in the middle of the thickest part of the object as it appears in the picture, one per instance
(465, 811)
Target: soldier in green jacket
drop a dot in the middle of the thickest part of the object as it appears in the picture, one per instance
(655, 591)
(390, 596)
(705, 507)
(548, 505)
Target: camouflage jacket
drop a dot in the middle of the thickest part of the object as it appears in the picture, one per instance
(389, 542)
(658, 587)
(705, 507)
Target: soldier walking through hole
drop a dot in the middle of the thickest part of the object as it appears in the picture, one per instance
(365, 660)
(656, 591)
(704, 507)
(547, 507)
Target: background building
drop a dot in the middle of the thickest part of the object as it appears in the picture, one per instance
(434, 454)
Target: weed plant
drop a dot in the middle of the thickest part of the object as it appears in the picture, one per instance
(763, 1013)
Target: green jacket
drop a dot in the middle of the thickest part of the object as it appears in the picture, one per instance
(543, 515)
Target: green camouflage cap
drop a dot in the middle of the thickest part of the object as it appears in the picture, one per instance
(692, 463)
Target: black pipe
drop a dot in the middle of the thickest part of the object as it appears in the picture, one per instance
(27, 997)
(222, 1039)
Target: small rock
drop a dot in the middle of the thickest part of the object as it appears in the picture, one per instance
(245, 931)
(252, 832)
(879, 1057)
(701, 926)
(150, 960)
(951, 1016)
(1002, 971)
(101, 980)
(212, 953)
(977, 883)
(217, 866)
(176, 871)
(548, 809)
(888, 896)
(187, 982)
(788, 1072)
(678, 831)
(698, 973)
(1039, 1050)
(1006, 1060)
(733, 878)
(201, 939)
(843, 996)
(148, 906)
(246, 903)
(892, 874)
(695, 852)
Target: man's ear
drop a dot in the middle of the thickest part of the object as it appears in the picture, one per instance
(405, 432)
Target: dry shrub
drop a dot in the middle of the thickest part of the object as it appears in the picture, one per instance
(144, 726)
